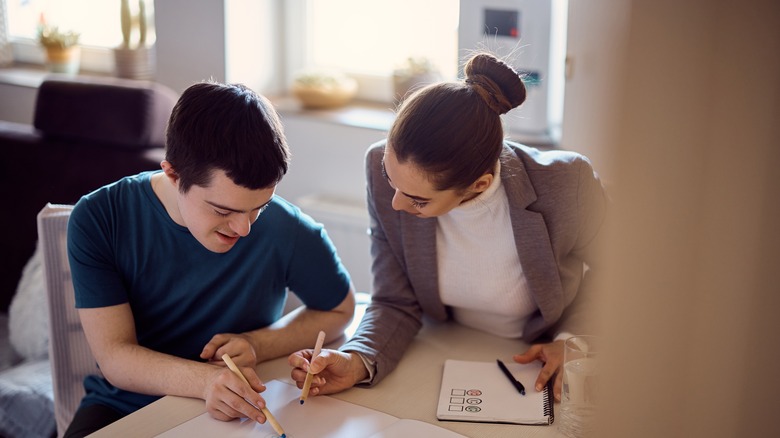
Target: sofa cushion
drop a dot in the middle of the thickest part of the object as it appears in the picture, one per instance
(118, 112)
(27, 401)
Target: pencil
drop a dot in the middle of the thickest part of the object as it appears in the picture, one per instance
(309, 375)
(275, 424)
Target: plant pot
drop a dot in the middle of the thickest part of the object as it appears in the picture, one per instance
(136, 63)
(63, 60)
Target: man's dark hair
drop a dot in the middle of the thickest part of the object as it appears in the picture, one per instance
(228, 127)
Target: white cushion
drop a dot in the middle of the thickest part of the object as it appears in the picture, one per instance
(28, 316)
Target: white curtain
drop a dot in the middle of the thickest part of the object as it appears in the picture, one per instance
(6, 56)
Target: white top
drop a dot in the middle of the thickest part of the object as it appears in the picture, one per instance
(480, 275)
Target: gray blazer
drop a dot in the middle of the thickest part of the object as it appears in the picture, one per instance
(557, 205)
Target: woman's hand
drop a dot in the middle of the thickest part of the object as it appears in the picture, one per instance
(334, 371)
(552, 356)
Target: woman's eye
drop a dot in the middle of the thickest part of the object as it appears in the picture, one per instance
(219, 213)
(417, 204)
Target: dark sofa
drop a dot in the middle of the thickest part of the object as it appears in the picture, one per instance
(87, 132)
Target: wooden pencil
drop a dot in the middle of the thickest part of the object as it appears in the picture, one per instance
(309, 375)
(275, 424)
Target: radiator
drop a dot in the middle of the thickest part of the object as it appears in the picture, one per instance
(346, 221)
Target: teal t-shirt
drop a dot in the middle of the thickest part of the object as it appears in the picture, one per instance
(123, 247)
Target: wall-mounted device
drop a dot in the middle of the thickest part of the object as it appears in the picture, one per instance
(530, 35)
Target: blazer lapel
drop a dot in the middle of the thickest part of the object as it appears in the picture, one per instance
(420, 234)
(533, 244)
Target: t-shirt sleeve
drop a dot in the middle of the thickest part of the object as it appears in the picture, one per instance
(316, 275)
(96, 281)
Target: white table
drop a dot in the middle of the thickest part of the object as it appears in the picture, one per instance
(411, 391)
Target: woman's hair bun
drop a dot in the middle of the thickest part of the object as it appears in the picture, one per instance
(495, 81)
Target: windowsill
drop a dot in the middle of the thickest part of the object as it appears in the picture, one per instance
(378, 116)
(365, 115)
(358, 114)
(32, 75)
(23, 75)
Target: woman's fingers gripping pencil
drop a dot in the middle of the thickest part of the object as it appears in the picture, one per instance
(309, 375)
(275, 424)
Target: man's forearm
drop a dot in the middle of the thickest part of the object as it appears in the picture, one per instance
(298, 330)
(139, 369)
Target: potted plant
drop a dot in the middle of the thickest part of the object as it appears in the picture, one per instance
(63, 52)
(415, 73)
(135, 57)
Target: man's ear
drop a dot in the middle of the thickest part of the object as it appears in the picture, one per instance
(170, 172)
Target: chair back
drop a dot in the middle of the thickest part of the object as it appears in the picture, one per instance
(69, 353)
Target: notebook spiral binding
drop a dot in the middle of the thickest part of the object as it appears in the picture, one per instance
(549, 403)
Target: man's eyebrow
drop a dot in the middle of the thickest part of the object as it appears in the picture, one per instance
(416, 198)
(222, 207)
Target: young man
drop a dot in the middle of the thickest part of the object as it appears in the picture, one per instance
(168, 276)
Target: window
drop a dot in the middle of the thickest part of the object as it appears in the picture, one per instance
(99, 29)
(368, 39)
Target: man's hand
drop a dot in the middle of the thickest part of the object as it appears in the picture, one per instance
(334, 371)
(228, 397)
(238, 347)
(552, 356)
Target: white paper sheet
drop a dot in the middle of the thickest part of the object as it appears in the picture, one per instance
(321, 417)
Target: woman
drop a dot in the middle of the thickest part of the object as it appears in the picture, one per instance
(466, 225)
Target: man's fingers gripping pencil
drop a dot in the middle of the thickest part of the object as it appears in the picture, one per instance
(275, 424)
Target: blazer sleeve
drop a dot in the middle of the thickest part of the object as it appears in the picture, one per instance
(592, 203)
(394, 316)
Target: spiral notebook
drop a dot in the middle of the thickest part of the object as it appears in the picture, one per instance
(481, 392)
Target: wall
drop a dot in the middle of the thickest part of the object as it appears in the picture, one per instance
(327, 158)
(190, 41)
(221, 39)
(252, 29)
(691, 299)
(327, 163)
(594, 73)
